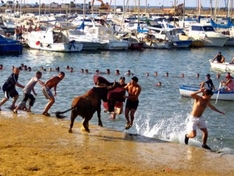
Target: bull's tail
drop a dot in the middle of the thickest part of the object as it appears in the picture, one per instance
(58, 113)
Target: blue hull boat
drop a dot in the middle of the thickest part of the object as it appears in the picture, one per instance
(10, 46)
(186, 91)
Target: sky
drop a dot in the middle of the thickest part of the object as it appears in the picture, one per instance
(188, 3)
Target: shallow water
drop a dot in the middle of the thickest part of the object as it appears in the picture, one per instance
(161, 112)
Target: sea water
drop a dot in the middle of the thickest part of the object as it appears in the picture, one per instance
(162, 112)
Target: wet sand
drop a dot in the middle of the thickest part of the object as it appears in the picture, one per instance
(38, 145)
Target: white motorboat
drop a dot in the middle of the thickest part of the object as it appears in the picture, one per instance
(206, 34)
(89, 41)
(106, 35)
(52, 40)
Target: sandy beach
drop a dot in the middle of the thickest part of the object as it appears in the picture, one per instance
(38, 145)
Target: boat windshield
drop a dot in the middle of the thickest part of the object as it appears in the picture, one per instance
(197, 28)
(208, 28)
(203, 28)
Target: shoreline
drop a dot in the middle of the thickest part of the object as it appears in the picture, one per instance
(151, 10)
(37, 145)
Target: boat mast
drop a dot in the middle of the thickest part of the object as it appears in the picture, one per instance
(211, 7)
(184, 14)
(114, 7)
(229, 7)
(199, 7)
(145, 7)
(84, 9)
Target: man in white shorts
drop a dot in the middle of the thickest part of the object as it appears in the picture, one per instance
(195, 117)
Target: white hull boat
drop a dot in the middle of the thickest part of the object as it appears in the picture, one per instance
(206, 34)
(187, 90)
(89, 41)
(226, 66)
(52, 41)
(115, 45)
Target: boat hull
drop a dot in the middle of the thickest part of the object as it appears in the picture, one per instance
(10, 46)
(216, 42)
(187, 90)
(182, 43)
(57, 47)
(91, 45)
(157, 45)
(136, 45)
(115, 45)
(221, 66)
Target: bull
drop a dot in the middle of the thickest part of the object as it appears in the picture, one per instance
(85, 106)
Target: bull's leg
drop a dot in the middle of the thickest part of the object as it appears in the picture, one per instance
(86, 124)
(73, 117)
(99, 116)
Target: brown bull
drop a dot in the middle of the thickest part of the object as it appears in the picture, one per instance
(86, 105)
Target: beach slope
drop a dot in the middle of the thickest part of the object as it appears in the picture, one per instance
(38, 145)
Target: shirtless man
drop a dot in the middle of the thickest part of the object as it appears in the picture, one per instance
(134, 90)
(51, 83)
(196, 119)
(219, 58)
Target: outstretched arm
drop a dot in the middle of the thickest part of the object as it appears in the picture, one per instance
(214, 58)
(19, 85)
(215, 109)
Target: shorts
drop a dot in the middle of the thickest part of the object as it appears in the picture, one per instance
(132, 104)
(194, 122)
(10, 93)
(47, 92)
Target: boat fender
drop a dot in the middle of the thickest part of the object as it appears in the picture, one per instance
(38, 42)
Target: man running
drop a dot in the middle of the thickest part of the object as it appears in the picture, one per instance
(134, 90)
(196, 119)
(9, 88)
(51, 83)
(27, 93)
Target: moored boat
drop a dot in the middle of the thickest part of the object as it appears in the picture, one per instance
(136, 45)
(206, 34)
(186, 91)
(10, 46)
(225, 66)
(52, 40)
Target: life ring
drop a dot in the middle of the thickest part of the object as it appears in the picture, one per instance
(38, 42)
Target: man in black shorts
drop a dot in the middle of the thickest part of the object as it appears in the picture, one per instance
(9, 88)
(134, 90)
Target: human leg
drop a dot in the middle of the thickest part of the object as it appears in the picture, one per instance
(7, 96)
(204, 135)
(22, 104)
(127, 115)
(31, 102)
(191, 128)
(15, 95)
(132, 112)
(48, 106)
(14, 101)
(204, 138)
(3, 101)
(191, 134)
